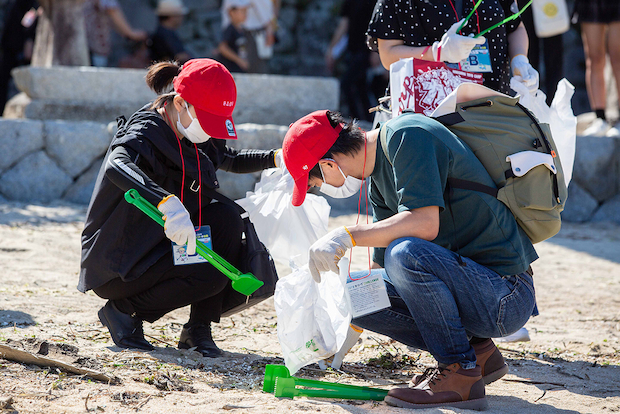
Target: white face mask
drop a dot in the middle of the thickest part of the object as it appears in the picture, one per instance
(350, 187)
(194, 131)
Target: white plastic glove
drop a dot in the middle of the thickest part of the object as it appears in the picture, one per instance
(326, 252)
(453, 47)
(353, 334)
(524, 72)
(178, 226)
(279, 160)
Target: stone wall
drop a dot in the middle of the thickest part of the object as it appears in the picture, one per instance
(43, 161)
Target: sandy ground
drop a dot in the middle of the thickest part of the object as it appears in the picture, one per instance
(571, 364)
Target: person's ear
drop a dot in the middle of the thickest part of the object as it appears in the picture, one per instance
(179, 103)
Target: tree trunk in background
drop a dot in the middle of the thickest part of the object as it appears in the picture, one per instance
(61, 35)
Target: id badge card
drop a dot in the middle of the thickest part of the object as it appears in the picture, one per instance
(367, 295)
(179, 252)
(479, 59)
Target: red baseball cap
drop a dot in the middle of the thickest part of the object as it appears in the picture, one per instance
(306, 142)
(210, 88)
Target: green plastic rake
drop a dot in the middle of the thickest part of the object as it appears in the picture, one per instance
(279, 381)
(244, 283)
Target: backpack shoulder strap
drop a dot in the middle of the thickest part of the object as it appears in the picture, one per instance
(383, 139)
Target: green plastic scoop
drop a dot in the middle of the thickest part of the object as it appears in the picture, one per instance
(244, 283)
(279, 381)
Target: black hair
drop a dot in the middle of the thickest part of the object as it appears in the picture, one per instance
(349, 141)
(159, 77)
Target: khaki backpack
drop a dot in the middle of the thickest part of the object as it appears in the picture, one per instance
(519, 154)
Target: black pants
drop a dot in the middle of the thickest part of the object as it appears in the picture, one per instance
(165, 287)
(355, 86)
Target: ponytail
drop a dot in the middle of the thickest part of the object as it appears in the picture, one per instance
(159, 77)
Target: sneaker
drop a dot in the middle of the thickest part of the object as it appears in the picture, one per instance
(614, 131)
(199, 337)
(598, 128)
(488, 357)
(450, 386)
(522, 335)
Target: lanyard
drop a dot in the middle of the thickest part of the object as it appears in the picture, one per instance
(475, 8)
(364, 191)
(183, 171)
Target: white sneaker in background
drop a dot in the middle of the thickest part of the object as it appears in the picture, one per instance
(614, 131)
(521, 335)
(598, 128)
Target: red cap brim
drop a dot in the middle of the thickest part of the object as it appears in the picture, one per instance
(300, 190)
(221, 127)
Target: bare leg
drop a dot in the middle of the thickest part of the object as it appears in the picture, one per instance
(593, 35)
(613, 46)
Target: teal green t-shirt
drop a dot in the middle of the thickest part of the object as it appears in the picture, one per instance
(423, 155)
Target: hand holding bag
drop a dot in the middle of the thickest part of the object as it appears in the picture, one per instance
(256, 259)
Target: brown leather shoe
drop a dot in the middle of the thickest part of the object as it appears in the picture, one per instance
(451, 386)
(488, 357)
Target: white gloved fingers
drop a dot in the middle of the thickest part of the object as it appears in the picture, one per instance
(314, 271)
(325, 253)
(178, 225)
(191, 243)
(279, 160)
(453, 47)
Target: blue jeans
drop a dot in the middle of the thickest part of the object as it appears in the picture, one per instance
(438, 304)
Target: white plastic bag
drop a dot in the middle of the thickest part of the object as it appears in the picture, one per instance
(287, 231)
(559, 117)
(313, 319)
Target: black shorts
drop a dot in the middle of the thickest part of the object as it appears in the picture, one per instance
(596, 11)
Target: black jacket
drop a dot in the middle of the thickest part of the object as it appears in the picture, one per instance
(119, 240)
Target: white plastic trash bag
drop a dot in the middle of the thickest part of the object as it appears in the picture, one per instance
(287, 231)
(559, 117)
(313, 319)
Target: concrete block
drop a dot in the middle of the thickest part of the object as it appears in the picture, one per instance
(281, 100)
(45, 109)
(609, 211)
(81, 190)
(35, 178)
(18, 138)
(580, 205)
(83, 83)
(75, 145)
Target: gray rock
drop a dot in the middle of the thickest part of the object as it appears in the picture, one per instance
(3, 200)
(235, 186)
(258, 136)
(580, 206)
(82, 189)
(595, 169)
(35, 178)
(18, 138)
(75, 145)
(609, 211)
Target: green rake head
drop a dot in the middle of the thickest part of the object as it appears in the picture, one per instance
(279, 381)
